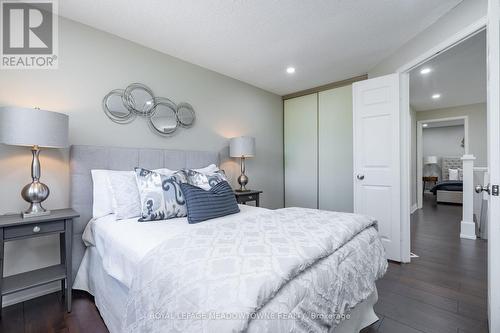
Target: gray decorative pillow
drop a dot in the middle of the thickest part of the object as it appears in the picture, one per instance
(161, 195)
(204, 180)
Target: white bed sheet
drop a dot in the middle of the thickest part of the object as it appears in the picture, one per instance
(122, 244)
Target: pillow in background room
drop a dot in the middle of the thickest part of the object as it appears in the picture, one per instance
(205, 205)
(124, 194)
(205, 180)
(452, 174)
(161, 197)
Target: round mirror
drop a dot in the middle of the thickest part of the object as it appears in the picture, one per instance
(185, 114)
(163, 120)
(139, 98)
(114, 108)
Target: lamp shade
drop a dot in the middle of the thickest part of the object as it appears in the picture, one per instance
(430, 160)
(243, 146)
(33, 127)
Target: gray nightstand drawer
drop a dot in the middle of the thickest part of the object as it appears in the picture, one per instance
(32, 229)
(248, 197)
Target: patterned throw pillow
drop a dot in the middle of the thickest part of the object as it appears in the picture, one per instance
(161, 195)
(205, 180)
(204, 205)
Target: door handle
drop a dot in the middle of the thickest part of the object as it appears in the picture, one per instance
(481, 188)
(360, 176)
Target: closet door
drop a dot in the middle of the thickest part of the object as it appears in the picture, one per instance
(301, 151)
(335, 149)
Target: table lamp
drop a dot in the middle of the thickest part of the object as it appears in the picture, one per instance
(34, 128)
(430, 160)
(242, 147)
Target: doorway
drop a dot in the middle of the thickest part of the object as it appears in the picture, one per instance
(448, 113)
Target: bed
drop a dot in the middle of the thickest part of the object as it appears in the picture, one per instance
(446, 190)
(258, 270)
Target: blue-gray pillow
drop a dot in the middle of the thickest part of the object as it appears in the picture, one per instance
(205, 205)
(161, 195)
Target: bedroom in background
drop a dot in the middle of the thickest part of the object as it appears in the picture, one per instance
(448, 114)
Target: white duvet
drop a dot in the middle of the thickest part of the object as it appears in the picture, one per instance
(286, 270)
(255, 265)
(123, 244)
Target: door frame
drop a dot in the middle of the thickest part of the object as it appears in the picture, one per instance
(405, 123)
(493, 114)
(420, 151)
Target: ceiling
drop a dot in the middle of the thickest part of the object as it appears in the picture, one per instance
(256, 40)
(458, 75)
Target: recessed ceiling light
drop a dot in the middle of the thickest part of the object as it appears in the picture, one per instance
(425, 70)
(425, 125)
(290, 70)
(436, 96)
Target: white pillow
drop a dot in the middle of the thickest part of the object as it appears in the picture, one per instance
(453, 174)
(102, 205)
(125, 200)
(164, 171)
(102, 194)
(208, 170)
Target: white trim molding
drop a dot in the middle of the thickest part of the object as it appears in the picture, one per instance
(414, 208)
(468, 226)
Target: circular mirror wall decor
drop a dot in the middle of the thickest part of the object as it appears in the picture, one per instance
(163, 119)
(185, 114)
(139, 98)
(115, 109)
(163, 115)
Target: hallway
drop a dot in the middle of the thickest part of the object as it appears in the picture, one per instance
(445, 289)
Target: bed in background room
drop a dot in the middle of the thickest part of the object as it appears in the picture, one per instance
(450, 188)
(258, 270)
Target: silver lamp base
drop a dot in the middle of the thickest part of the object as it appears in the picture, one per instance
(36, 192)
(242, 179)
(35, 212)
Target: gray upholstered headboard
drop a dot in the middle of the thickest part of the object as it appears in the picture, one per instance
(450, 163)
(85, 158)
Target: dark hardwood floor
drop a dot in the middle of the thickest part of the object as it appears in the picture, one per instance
(444, 290)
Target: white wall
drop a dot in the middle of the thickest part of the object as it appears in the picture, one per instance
(477, 127)
(91, 64)
(463, 15)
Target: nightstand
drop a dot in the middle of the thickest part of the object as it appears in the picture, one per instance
(14, 227)
(247, 196)
(429, 179)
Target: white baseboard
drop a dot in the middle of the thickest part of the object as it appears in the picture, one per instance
(467, 230)
(18, 298)
(413, 208)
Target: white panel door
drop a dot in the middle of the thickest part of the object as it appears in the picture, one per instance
(301, 151)
(493, 33)
(377, 157)
(335, 149)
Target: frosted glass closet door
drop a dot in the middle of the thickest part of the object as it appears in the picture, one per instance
(301, 151)
(336, 150)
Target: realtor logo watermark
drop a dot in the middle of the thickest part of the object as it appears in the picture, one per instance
(29, 34)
